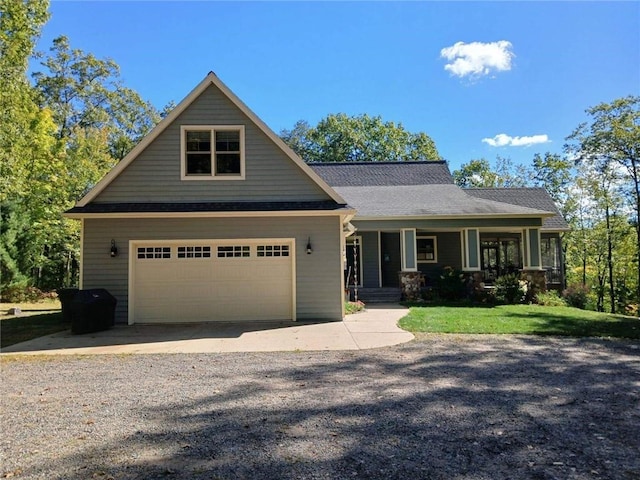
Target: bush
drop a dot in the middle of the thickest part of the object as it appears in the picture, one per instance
(450, 284)
(576, 295)
(510, 289)
(353, 307)
(17, 293)
(550, 299)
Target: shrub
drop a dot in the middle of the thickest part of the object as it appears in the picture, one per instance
(576, 295)
(353, 307)
(510, 289)
(450, 284)
(550, 299)
(17, 292)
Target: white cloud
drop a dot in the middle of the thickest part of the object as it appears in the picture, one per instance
(504, 140)
(478, 59)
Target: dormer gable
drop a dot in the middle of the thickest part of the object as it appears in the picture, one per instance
(211, 148)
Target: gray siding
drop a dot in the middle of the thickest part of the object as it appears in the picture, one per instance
(370, 260)
(318, 276)
(427, 224)
(448, 254)
(154, 176)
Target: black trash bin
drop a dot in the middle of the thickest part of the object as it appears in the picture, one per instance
(66, 297)
(93, 311)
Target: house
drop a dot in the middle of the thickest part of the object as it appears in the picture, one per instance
(211, 217)
(412, 221)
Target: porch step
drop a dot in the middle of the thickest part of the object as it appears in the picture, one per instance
(378, 295)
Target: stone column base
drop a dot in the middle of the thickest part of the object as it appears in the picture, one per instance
(410, 283)
(536, 280)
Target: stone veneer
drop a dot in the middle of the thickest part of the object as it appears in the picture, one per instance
(537, 282)
(410, 283)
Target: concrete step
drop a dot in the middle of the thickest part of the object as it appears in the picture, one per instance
(378, 295)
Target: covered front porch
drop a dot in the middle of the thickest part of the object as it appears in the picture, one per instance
(412, 259)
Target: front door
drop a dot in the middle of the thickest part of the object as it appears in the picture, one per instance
(390, 261)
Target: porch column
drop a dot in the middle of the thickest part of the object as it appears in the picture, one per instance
(533, 272)
(471, 249)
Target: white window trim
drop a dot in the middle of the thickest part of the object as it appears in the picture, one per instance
(435, 248)
(213, 129)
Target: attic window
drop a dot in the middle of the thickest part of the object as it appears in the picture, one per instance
(212, 152)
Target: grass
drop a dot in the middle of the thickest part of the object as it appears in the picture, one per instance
(37, 319)
(520, 319)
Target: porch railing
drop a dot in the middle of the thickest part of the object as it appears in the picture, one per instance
(553, 275)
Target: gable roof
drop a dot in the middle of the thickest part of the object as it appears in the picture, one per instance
(526, 197)
(210, 79)
(356, 174)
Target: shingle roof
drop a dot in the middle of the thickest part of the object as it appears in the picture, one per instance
(537, 198)
(204, 207)
(358, 174)
(427, 201)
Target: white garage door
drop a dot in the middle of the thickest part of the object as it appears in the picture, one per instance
(205, 281)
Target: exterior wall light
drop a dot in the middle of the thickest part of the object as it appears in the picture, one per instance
(309, 249)
(114, 250)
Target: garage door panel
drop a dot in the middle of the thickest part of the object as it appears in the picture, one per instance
(247, 286)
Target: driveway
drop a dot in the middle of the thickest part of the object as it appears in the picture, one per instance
(440, 407)
(375, 327)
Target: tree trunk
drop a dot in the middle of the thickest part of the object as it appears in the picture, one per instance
(612, 291)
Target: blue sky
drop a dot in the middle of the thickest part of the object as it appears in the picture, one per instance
(481, 78)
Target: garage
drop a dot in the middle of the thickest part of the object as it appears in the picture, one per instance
(212, 280)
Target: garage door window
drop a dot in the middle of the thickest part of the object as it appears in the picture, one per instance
(273, 250)
(231, 251)
(194, 252)
(154, 252)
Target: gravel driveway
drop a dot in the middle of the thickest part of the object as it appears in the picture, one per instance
(440, 407)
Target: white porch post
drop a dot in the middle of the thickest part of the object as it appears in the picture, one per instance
(408, 250)
(471, 249)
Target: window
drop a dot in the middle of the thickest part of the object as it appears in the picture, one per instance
(427, 249)
(212, 152)
(273, 250)
(154, 252)
(194, 252)
(234, 251)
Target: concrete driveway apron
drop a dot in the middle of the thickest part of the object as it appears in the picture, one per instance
(373, 328)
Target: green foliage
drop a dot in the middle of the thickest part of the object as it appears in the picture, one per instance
(610, 142)
(450, 284)
(353, 307)
(479, 174)
(341, 138)
(576, 295)
(21, 292)
(510, 289)
(549, 298)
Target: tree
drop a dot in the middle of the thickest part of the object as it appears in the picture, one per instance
(340, 138)
(20, 25)
(476, 174)
(612, 136)
(85, 92)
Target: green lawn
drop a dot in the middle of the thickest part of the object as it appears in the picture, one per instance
(520, 319)
(38, 319)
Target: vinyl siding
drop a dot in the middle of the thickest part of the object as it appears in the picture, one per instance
(427, 224)
(318, 276)
(154, 176)
(449, 254)
(370, 267)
